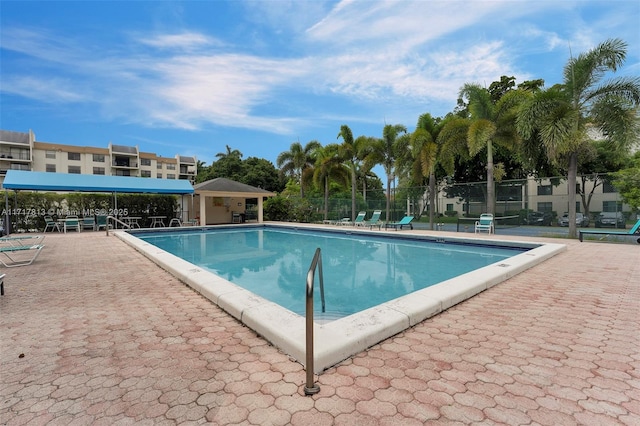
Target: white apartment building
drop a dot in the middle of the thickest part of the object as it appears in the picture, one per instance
(21, 151)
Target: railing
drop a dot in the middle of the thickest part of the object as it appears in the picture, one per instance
(310, 387)
(116, 221)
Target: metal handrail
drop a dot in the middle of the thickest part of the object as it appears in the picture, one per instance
(116, 220)
(310, 387)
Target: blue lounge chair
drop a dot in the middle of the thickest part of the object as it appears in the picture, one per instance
(22, 240)
(405, 221)
(374, 221)
(10, 252)
(485, 224)
(634, 230)
(89, 222)
(359, 219)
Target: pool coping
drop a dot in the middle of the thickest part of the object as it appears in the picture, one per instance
(337, 340)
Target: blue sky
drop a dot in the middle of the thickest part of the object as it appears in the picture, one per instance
(192, 77)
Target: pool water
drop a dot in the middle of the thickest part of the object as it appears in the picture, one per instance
(360, 271)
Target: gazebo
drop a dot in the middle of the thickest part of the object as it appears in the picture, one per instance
(224, 200)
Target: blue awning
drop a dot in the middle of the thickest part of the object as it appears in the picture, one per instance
(43, 181)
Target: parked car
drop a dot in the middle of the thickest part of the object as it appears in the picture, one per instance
(613, 219)
(581, 220)
(539, 218)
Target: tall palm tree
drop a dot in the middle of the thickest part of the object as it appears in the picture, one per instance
(424, 153)
(230, 153)
(329, 167)
(384, 151)
(487, 123)
(562, 115)
(351, 152)
(297, 160)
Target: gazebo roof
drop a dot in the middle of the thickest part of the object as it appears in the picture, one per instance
(223, 187)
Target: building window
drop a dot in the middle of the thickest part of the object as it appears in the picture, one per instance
(145, 162)
(98, 158)
(159, 166)
(159, 175)
(545, 190)
(50, 154)
(51, 168)
(612, 206)
(171, 166)
(545, 207)
(450, 207)
(607, 188)
(74, 170)
(145, 173)
(75, 156)
(98, 170)
(171, 176)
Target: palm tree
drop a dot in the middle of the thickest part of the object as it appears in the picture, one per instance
(424, 153)
(229, 154)
(352, 153)
(384, 152)
(487, 123)
(329, 166)
(562, 115)
(297, 160)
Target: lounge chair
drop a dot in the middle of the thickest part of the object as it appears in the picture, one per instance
(10, 252)
(485, 224)
(359, 219)
(634, 230)
(71, 222)
(21, 240)
(405, 221)
(374, 221)
(51, 225)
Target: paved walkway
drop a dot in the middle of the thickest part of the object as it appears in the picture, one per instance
(94, 333)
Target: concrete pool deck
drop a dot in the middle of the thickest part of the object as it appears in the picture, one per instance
(95, 333)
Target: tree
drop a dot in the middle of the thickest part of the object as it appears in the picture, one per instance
(564, 113)
(351, 152)
(297, 160)
(261, 173)
(424, 155)
(627, 182)
(487, 123)
(384, 152)
(328, 167)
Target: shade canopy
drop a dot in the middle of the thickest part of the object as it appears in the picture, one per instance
(43, 181)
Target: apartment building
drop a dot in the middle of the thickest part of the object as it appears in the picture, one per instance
(21, 151)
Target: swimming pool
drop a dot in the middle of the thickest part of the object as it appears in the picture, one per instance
(360, 271)
(338, 339)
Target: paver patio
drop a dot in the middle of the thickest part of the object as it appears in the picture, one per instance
(94, 333)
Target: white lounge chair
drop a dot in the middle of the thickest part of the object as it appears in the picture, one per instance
(11, 252)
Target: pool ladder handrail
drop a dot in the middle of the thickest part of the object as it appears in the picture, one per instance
(310, 387)
(115, 220)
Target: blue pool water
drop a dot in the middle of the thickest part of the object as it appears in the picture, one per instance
(360, 271)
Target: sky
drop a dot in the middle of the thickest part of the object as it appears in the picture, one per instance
(192, 77)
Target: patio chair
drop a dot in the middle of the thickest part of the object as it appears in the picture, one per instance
(405, 221)
(51, 225)
(89, 223)
(101, 222)
(374, 221)
(485, 224)
(72, 222)
(11, 252)
(634, 230)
